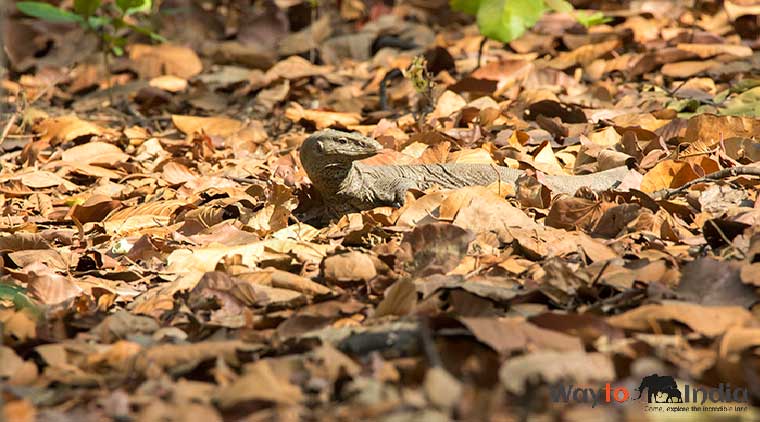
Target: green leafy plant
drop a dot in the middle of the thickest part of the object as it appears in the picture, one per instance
(17, 295)
(105, 20)
(422, 80)
(591, 19)
(506, 20)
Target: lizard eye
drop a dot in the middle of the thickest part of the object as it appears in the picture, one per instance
(320, 147)
(343, 140)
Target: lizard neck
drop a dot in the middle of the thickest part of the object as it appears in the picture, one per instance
(329, 178)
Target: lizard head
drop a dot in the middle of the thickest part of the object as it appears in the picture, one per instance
(333, 146)
(332, 151)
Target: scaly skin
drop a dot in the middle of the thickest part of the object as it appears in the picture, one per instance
(330, 159)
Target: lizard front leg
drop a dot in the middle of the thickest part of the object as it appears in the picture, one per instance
(393, 192)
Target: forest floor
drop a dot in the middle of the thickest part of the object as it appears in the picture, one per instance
(161, 259)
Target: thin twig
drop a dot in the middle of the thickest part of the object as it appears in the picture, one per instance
(247, 180)
(720, 174)
(480, 52)
(8, 126)
(428, 344)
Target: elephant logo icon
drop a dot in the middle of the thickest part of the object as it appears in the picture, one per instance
(659, 386)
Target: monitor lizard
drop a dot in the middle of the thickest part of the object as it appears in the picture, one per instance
(331, 159)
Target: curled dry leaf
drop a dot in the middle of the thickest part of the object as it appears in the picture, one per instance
(322, 119)
(551, 367)
(352, 266)
(441, 388)
(481, 210)
(295, 67)
(399, 299)
(48, 287)
(259, 383)
(709, 50)
(65, 129)
(508, 335)
(710, 321)
(95, 208)
(583, 55)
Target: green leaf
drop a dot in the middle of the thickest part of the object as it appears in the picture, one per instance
(132, 6)
(560, 6)
(744, 85)
(688, 105)
(86, 8)
(744, 104)
(467, 6)
(18, 296)
(721, 96)
(589, 20)
(47, 12)
(98, 21)
(146, 31)
(506, 20)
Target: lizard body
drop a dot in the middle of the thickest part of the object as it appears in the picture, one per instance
(331, 159)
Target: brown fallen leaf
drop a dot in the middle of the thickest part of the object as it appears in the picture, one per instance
(551, 367)
(258, 383)
(322, 119)
(65, 129)
(295, 67)
(688, 68)
(710, 129)
(150, 61)
(507, 72)
(667, 174)
(508, 335)
(399, 299)
(708, 281)
(352, 266)
(583, 55)
(480, 209)
(95, 208)
(435, 248)
(576, 213)
(95, 153)
(49, 287)
(180, 358)
(441, 388)
(19, 324)
(709, 50)
(45, 179)
(710, 321)
(21, 410)
(169, 83)
(213, 126)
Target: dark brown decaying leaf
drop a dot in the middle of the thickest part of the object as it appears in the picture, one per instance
(715, 283)
(435, 248)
